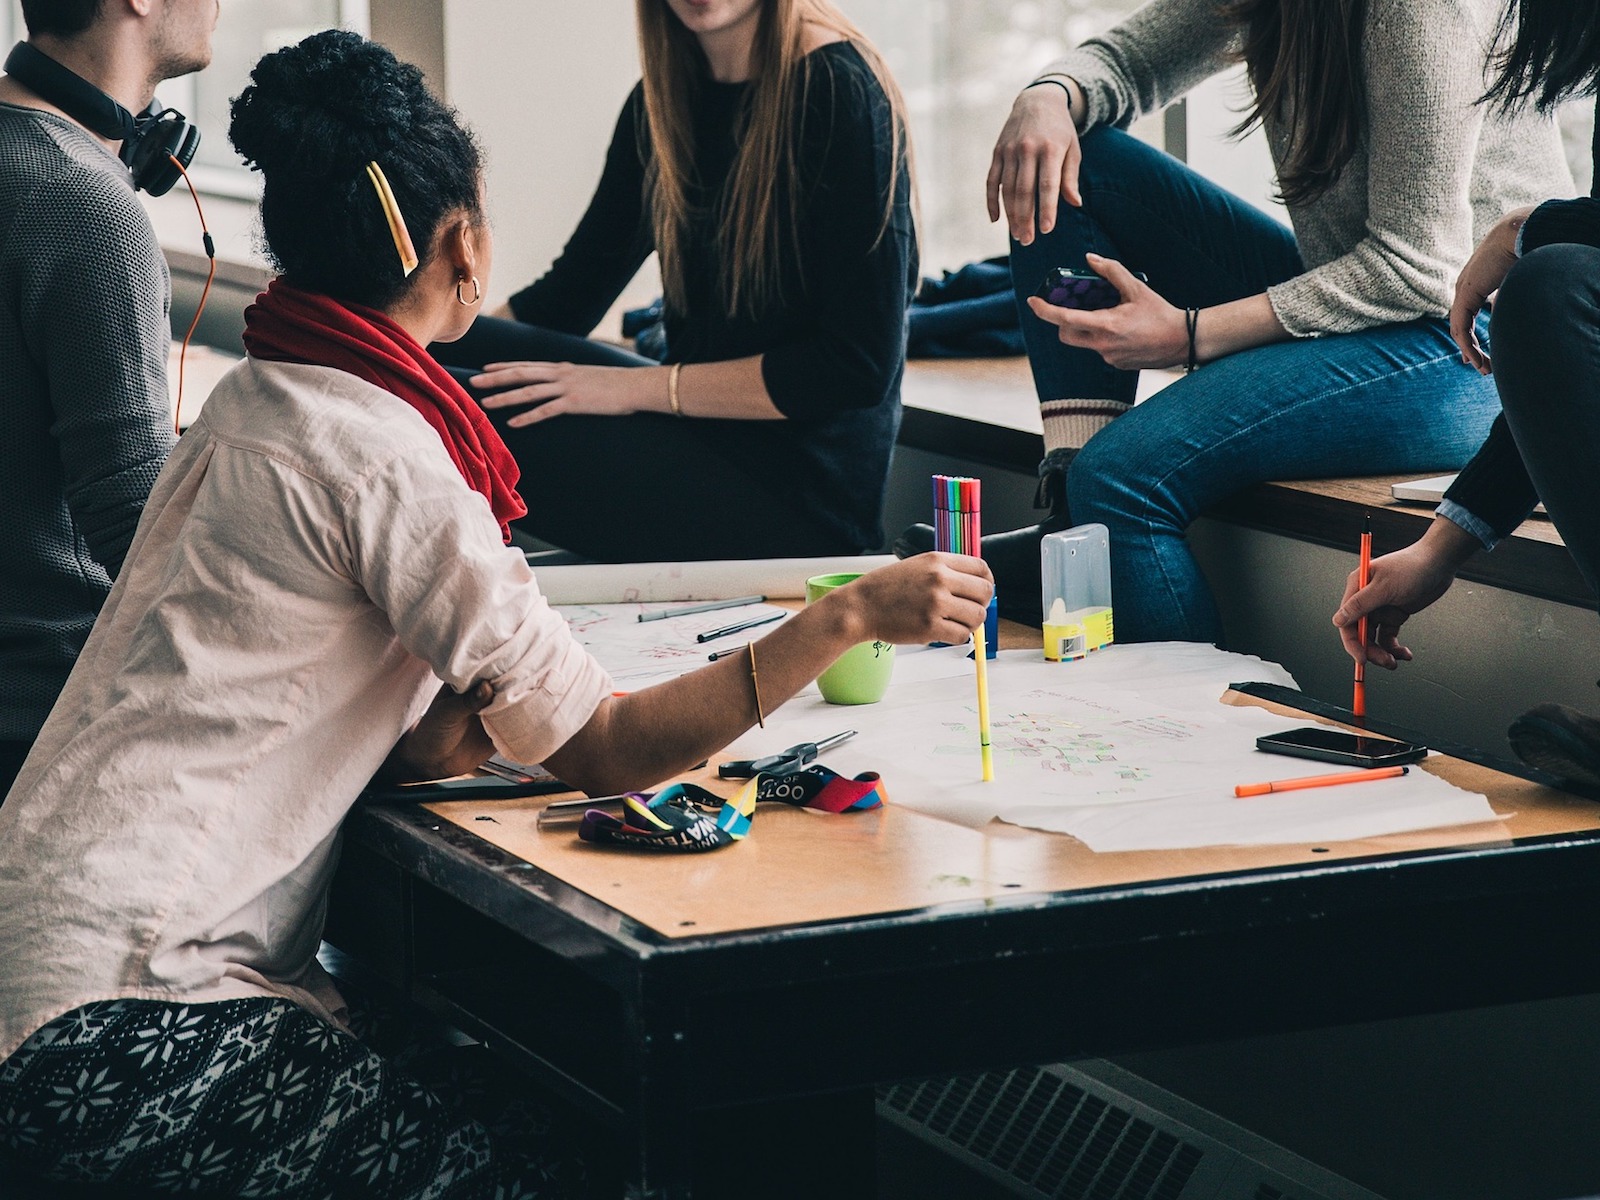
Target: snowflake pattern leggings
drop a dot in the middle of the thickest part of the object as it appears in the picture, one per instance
(239, 1098)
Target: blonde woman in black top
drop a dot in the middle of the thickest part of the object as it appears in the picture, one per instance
(763, 156)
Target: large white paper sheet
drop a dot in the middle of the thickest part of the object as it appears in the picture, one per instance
(1214, 817)
(1128, 750)
(638, 654)
(628, 583)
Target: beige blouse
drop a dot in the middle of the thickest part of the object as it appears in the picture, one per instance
(310, 565)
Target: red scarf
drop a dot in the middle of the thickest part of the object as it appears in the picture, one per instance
(286, 324)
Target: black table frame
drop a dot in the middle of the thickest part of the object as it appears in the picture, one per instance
(768, 1044)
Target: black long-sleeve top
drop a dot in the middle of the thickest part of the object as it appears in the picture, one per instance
(1493, 494)
(832, 346)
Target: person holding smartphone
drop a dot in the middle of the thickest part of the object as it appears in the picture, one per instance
(764, 159)
(1542, 267)
(1316, 350)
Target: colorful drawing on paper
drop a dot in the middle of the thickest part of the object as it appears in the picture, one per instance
(1095, 744)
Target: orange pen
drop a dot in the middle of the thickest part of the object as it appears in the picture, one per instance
(1295, 785)
(1358, 705)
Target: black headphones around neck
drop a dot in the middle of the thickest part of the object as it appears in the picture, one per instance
(150, 141)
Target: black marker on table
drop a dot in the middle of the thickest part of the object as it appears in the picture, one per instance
(739, 628)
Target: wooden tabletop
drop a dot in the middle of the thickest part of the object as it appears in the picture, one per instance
(800, 866)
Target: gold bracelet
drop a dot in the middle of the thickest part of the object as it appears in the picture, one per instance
(672, 390)
(755, 685)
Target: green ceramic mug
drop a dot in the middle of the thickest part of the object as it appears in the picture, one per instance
(861, 674)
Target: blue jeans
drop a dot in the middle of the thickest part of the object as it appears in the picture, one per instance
(1392, 399)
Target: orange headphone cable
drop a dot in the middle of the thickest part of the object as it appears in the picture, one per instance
(211, 274)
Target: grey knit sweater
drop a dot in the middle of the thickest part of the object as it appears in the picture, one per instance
(84, 413)
(1387, 241)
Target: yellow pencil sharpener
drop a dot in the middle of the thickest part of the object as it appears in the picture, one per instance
(1075, 566)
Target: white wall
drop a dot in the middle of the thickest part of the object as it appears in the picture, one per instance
(542, 82)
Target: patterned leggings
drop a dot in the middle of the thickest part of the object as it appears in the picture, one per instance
(240, 1098)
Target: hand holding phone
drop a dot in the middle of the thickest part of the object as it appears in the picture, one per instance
(1081, 290)
(1336, 746)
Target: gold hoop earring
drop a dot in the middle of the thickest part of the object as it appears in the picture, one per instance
(477, 292)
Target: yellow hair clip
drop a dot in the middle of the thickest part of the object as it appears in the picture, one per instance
(397, 223)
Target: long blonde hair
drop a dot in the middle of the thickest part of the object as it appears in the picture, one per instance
(749, 242)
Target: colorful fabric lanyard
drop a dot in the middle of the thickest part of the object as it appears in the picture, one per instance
(686, 816)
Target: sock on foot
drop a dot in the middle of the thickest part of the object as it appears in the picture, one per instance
(1068, 424)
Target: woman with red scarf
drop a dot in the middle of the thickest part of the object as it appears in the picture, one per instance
(325, 547)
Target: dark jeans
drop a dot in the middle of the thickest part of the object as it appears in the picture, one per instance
(1546, 329)
(640, 488)
(1388, 400)
(1199, 244)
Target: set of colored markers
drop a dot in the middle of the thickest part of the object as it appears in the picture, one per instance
(958, 529)
(957, 514)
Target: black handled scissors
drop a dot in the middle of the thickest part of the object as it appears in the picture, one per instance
(785, 763)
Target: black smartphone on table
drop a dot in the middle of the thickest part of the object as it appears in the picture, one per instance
(501, 779)
(1083, 290)
(1337, 746)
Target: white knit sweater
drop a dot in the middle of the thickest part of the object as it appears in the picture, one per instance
(1435, 169)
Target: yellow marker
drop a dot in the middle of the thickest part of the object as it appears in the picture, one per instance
(980, 655)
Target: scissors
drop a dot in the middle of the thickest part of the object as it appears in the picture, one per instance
(785, 763)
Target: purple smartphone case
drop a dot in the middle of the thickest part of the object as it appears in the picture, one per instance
(1080, 290)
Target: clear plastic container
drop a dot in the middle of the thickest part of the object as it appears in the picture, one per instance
(1076, 572)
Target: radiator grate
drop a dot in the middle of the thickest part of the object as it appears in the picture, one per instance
(1059, 1140)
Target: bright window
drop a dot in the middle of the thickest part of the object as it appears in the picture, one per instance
(244, 33)
(960, 64)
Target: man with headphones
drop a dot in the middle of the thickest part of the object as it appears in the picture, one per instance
(85, 419)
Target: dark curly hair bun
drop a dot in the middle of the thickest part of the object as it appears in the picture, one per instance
(315, 114)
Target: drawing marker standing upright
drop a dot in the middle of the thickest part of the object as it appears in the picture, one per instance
(958, 529)
(985, 750)
(1358, 704)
